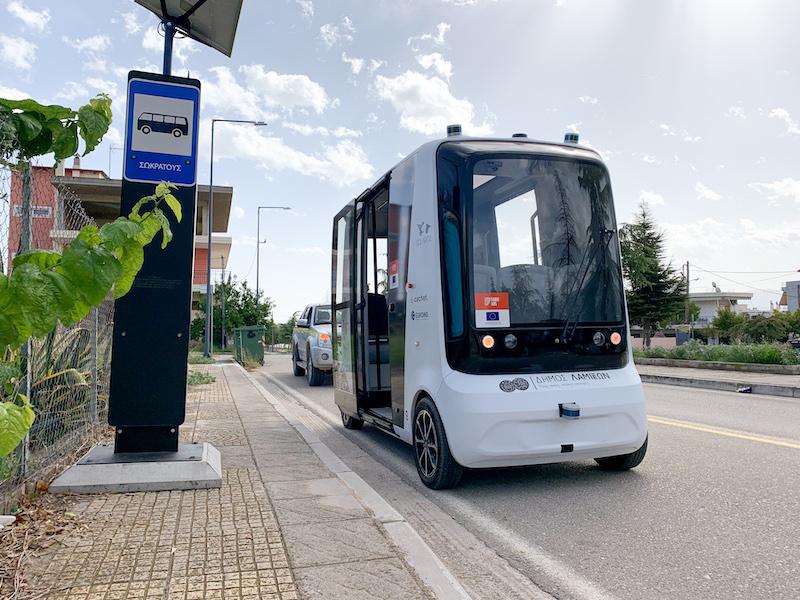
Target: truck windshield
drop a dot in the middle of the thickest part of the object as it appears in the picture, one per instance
(541, 242)
(322, 316)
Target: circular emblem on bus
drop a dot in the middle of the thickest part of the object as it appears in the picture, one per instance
(521, 383)
(507, 385)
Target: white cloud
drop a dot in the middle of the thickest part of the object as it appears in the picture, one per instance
(437, 38)
(588, 99)
(224, 92)
(95, 43)
(17, 52)
(356, 64)
(10, 93)
(33, 19)
(651, 198)
(438, 62)
(691, 139)
(784, 115)
(650, 160)
(287, 91)
(426, 104)
(341, 164)
(130, 21)
(375, 64)
(736, 112)
(779, 189)
(305, 129)
(72, 90)
(333, 34)
(573, 127)
(238, 212)
(706, 193)
(306, 8)
(666, 129)
(182, 47)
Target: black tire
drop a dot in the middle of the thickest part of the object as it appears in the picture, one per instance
(314, 375)
(623, 462)
(352, 422)
(145, 130)
(297, 370)
(435, 465)
(177, 133)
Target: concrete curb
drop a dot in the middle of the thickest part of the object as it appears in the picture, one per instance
(765, 389)
(719, 366)
(420, 557)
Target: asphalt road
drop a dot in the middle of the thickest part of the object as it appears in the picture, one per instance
(712, 512)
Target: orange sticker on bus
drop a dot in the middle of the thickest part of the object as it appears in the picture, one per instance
(493, 301)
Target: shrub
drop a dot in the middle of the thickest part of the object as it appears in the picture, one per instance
(200, 378)
(196, 358)
(767, 354)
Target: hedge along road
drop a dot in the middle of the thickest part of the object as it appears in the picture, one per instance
(710, 513)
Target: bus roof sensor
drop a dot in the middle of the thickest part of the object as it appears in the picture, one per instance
(571, 138)
(453, 130)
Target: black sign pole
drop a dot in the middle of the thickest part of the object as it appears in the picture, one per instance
(151, 323)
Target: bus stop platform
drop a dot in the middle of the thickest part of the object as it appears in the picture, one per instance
(290, 521)
(769, 384)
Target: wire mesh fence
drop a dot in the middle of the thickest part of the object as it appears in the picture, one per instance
(66, 374)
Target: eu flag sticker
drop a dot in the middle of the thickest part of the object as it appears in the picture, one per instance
(492, 310)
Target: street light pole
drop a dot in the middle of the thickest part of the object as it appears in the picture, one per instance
(258, 238)
(209, 298)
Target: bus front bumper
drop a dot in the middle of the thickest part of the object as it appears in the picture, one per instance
(487, 427)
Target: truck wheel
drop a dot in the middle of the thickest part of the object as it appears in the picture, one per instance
(435, 465)
(623, 462)
(351, 422)
(297, 370)
(315, 376)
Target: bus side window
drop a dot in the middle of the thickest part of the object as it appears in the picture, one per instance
(452, 262)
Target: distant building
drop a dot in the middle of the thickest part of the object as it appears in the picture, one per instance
(711, 303)
(54, 225)
(791, 296)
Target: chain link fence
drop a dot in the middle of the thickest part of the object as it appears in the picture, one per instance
(66, 374)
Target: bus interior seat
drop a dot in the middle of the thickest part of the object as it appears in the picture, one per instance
(378, 331)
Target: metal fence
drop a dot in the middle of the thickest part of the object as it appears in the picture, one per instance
(66, 374)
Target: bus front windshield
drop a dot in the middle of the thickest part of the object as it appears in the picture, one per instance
(542, 243)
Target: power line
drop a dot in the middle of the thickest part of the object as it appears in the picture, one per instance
(752, 287)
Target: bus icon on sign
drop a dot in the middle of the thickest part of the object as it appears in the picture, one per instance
(176, 125)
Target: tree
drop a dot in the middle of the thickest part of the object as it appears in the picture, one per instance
(654, 291)
(728, 324)
(765, 329)
(241, 309)
(694, 312)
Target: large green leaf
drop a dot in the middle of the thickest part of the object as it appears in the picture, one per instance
(90, 270)
(69, 306)
(150, 227)
(28, 126)
(123, 237)
(174, 205)
(102, 104)
(15, 421)
(93, 126)
(65, 142)
(43, 259)
(33, 298)
(39, 145)
(166, 230)
(48, 111)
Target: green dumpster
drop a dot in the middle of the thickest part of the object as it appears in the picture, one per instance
(248, 344)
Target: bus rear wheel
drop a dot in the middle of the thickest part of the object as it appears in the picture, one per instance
(351, 422)
(623, 462)
(177, 133)
(145, 130)
(435, 465)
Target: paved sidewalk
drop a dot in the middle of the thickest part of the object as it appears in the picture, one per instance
(283, 526)
(732, 381)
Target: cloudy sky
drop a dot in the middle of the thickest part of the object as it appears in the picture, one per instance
(694, 104)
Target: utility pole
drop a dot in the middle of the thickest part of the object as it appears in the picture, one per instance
(223, 288)
(686, 308)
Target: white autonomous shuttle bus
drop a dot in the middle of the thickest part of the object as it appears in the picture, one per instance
(479, 312)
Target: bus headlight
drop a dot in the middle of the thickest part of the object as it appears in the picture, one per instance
(487, 342)
(599, 339)
(510, 341)
(324, 340)
(616, 338)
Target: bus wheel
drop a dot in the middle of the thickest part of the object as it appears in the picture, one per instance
(177, 133)
(623, 462)
(315, 376)
(435, 465)
(351, 422)
(145, 130)
(297, 370)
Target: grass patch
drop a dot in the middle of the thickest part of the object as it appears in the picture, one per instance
(196, 358)
(199, 378)
(764, 354)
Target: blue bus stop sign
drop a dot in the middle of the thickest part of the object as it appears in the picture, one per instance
(161, 132)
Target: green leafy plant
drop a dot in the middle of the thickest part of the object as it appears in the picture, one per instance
(196, 358)
(200, 378)
(773, 354)
(34, 129)
(45, 288)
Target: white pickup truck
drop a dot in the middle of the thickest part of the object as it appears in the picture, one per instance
(312, 354)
